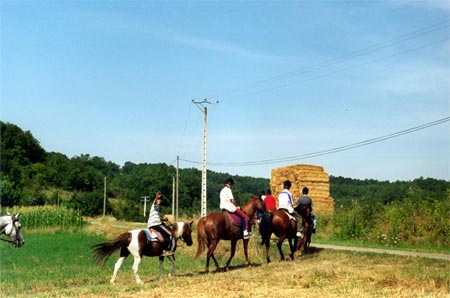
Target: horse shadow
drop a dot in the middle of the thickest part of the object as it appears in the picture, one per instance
(230, 268)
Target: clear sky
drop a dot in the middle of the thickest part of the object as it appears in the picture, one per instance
(116, 79)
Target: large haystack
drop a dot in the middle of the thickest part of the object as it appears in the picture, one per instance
(310, 176)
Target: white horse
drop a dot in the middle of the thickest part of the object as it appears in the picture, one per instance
(137, 243)
(10, 226)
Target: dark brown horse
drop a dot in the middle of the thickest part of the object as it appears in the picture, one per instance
(308, 225)
(136, 242)
(278, 223)
(218, 226)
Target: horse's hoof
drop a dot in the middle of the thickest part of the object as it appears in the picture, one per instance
(112, 281)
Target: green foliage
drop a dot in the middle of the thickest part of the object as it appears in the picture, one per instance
(416, 220)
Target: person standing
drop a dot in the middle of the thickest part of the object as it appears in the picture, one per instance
(286, 202)
(228, 203)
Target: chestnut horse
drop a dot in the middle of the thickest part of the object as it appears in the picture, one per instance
(136, 242)
(308, 225)
(279, 223)
(217, 225)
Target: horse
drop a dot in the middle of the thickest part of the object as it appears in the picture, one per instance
(279, 223)
(136, 242)
(218, 225)
(10, 226)
(308, 225)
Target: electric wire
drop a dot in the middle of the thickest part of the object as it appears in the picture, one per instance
(329, 151)
(349, 56)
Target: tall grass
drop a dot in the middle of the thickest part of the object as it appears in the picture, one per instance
(48, 217)
(407, 223)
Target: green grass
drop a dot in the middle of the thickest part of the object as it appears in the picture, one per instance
(59, 264)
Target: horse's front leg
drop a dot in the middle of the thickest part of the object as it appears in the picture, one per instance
(232, 252)
(174, 264)
(137, 261)
(116, 269)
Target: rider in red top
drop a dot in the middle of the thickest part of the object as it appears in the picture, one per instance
(269, 200)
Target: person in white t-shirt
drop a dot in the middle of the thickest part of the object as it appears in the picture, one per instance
(228, 203)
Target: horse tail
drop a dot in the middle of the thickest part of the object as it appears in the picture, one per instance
(201, 237)
(102, 251)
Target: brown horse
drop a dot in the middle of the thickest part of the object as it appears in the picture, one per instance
(217, 225)
(136, 242)
(308, 225)
(278, 223)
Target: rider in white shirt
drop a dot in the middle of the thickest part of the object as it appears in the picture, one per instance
(286, 202)
(228, 203)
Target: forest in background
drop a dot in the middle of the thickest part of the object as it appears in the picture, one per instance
(365, 209)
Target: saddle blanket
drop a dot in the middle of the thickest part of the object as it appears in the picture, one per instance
(153, 235)
(235, 219)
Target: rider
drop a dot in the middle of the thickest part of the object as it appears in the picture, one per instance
(228, 203)
(305, 202)
(286, 202)
(154, 221)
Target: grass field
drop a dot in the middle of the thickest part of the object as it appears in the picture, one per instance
(59, 264)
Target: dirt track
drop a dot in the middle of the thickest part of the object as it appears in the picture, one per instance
(385, 251)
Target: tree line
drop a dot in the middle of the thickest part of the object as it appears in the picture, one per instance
(32, 176)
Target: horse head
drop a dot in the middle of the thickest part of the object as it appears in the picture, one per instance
(12, 228)
(184, 231)
(254, 204)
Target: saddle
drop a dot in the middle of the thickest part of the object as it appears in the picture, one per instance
(154, 235)
(289, 215)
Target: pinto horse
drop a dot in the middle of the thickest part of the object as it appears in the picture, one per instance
(278, 223)
(11, 227)
(218, 225)
(137, 243)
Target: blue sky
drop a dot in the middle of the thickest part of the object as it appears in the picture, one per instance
(116, 79)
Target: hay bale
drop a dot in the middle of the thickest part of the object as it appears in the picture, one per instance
(311, 176)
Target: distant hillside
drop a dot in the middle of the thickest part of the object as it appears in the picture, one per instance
(32, 176)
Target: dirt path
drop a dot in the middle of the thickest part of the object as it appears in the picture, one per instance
(385, 251)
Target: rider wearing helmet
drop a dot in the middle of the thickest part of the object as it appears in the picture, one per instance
(228, 203)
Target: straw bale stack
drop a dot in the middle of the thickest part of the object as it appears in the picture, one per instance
(313, 177)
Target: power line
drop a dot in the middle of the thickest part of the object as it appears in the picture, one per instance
(332, 150)
(347, 57)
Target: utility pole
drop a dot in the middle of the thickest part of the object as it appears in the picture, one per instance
(173, 196)
(203, 104)
(177, 187)
(104, 198)
(145, 198)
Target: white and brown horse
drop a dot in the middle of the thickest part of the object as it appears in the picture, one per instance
(137, 243)
(10, 227)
